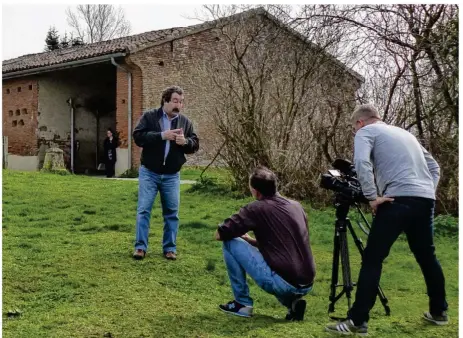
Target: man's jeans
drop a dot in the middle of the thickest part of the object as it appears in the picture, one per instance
(414, 216)
(241, 258)
(149, 183)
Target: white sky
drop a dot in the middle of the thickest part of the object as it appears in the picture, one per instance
(25, 26)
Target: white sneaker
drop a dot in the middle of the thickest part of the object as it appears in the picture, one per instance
(236, 309)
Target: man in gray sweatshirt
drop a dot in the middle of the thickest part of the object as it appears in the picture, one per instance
(402, 199)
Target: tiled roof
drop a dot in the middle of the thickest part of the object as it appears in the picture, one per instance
(133, 43)
(124, 44)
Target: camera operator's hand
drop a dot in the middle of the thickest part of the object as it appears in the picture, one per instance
(379, 200)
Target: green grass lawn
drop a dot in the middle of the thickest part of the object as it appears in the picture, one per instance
(68, 271)
(194, 173)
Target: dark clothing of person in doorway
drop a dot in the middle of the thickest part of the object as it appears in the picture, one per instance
(110, 145)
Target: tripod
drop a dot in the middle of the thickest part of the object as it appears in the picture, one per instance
(341, 251)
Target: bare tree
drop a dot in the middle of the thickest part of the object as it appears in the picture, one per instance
(94, 23)
(408, 55)
(286, 105)
(277, 99)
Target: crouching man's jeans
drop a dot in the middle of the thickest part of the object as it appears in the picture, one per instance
(241, 258)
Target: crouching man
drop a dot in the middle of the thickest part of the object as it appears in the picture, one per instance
(279, 259)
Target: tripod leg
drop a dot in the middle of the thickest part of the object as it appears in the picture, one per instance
(384, 301)
(334, 272)
(345, 264)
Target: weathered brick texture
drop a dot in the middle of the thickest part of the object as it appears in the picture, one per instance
(187, 62)
(20, 101)
(122, 105)
(181, 62)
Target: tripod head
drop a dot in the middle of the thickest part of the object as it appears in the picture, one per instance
(342, 206)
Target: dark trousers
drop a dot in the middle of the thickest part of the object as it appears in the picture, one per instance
(414, 216)
(109, 167)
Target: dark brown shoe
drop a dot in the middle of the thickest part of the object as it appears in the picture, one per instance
(170, 255)
(139, 254)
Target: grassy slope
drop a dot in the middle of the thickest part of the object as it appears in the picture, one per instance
(67, 244)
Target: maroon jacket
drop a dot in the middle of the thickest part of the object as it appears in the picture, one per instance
(281, 230)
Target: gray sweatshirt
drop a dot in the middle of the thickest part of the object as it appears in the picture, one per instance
(402, 166)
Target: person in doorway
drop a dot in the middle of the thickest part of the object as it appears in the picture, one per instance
(279, 259)
(166, 136)
(109, 146)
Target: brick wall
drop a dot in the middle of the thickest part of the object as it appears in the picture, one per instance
(184, 62)
(38, 117)
(181, 62)
(122, 103)
(20, 101)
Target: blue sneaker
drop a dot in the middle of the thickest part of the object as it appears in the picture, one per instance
(236, 309)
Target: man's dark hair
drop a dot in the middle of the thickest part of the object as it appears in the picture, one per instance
(167, 93)
(264, 181)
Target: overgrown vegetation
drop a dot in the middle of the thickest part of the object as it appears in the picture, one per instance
(283, 101)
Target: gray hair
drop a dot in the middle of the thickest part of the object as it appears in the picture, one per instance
(364, 112)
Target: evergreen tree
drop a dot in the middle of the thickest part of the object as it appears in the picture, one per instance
(65, 42)
(76, 41)
(52, 40)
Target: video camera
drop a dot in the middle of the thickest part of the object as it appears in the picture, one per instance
(343, 181)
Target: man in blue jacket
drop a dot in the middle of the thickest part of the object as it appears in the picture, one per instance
(165, 136)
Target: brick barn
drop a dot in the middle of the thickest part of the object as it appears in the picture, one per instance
(67, 98)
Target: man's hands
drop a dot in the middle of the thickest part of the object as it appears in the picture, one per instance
(246, 237)
(171, 134)
(249, 239)
(180, 138)
(379, 200)
(175, 135)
